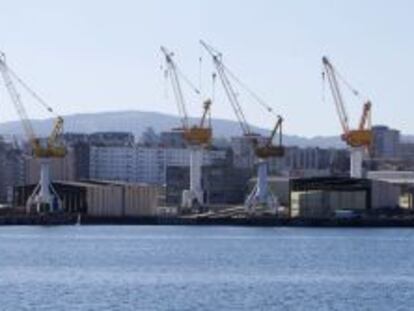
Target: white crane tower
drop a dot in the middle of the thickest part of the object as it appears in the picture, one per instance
(198, 136)
(360, 139)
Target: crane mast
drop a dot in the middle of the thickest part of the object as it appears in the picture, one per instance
(365, 121)
(277, 127)
(206, 111)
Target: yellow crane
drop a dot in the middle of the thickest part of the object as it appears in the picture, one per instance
(359, 139)
(44, 197)
(260, 195)
(197, 136)
(200, 134)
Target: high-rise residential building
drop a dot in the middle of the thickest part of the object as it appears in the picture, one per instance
(310, 161)
(141, 163)
(386, 142)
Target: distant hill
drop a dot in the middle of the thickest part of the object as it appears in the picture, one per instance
(137, 121)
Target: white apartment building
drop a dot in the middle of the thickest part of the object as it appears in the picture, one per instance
(141, 164)
(111, 163)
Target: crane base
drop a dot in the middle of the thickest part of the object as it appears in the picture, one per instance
(254, 205)
(190, 201)
(43, 204)
(261, 198)
(44, 198)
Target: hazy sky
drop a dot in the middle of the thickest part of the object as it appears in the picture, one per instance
(91, 56)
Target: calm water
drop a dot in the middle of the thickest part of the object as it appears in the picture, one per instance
(205, 268)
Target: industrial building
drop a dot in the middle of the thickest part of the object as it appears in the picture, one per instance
(402, 179)
(100, 198)
(323, 197)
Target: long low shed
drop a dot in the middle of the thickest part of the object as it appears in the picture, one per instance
(321, 197)
(101, 198)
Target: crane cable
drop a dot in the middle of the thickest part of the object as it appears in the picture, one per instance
(254, 95)
(188, 81)
(191, 85)
(41, 101)
(354, 91)
(323, 87)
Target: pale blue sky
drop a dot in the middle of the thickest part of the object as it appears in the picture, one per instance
(90, 56)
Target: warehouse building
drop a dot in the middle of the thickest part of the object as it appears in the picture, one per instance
(402, 179)
(324, 197)
(100, 198)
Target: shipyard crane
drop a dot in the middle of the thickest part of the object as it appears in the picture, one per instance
(260, 196)
(359, 139)
(44, 196)
(198, 136)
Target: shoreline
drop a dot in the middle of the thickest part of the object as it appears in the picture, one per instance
(72, 219)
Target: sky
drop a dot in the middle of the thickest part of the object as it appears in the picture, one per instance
(94, 56)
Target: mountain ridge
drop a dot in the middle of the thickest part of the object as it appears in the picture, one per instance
(137, 121)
